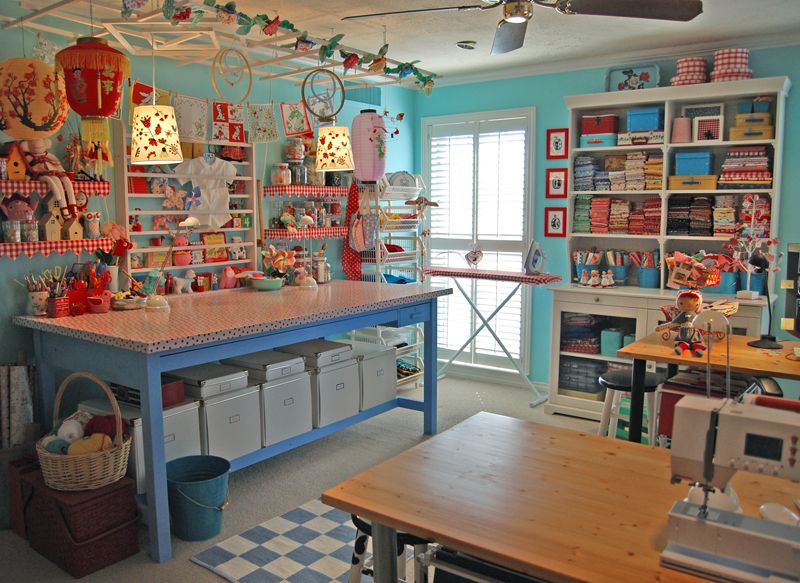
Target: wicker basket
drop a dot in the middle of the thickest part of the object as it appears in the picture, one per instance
(90, 470)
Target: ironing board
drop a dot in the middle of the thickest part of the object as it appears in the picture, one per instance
(456, 273)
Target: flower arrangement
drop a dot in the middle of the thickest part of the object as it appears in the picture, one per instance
(277, 262)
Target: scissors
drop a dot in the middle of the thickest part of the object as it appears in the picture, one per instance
(54, 274)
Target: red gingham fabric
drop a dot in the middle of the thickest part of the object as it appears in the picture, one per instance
(302, 190)
(721, 72)
(738, 175)
(305, 234)
(77, 246)
(731, 63)
(28, 187)
(691, 61)
(539, 279)
(351, 259)
(730, 78)
(675, 83)
(731, 53)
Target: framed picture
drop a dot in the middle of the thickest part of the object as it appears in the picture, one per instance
(635, 77)
(555, 221)
(556, 186)
(703, 109)
(557, 143)
(707, 128)
(157, 259)
(214, 254)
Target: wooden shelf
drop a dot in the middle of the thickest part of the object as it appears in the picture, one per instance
(144, 270)
(45, 248)
(135, 212)
(620, 148)
(305, 191)
(27, 187)
(612, 193)
(184, 177)
(722, 238)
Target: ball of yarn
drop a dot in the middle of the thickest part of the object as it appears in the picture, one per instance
(70, 430)
(102, 424)
(56, 445)
(90, 444)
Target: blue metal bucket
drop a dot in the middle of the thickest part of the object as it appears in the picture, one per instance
(198, 494)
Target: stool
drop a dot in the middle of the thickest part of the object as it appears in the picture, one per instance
(364, 531)
(618, 382)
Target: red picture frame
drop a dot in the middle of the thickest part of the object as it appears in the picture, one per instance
(557, 143)
(555, 221)
(556, 183)
(214, 254)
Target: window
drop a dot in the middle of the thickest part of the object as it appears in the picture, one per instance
(478, 168)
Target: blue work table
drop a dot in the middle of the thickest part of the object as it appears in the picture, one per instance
(133, 348)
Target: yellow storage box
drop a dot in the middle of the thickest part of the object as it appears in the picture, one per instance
(698, 182)
(752, 133)
(753, 119)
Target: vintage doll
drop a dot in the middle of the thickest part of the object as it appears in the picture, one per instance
(44, 166)
(603, 279)
(690, 303)
(610, 278)
(594, 278)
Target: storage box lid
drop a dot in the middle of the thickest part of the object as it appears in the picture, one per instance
(74, 499)
(367, 349)
(208, 373)
(264, 360)
(600, 116)
(333, 367)
(316, 348)
(131, 413)
(645, 111)
(222, 397)
(694, 155)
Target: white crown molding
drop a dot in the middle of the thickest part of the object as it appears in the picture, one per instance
(619, 59)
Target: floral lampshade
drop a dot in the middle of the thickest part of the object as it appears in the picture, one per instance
(154, 137)
(334, 151)
(33, 101)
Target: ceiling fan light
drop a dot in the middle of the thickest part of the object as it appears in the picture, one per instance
(517, 11)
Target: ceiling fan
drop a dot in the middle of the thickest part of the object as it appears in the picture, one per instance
(510, 34)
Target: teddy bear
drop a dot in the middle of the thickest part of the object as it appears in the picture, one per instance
(44, 166)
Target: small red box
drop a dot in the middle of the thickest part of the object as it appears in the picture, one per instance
(16, 469)
(58, 307)
(599, 124)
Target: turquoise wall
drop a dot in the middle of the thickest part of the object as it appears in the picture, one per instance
(546, 93)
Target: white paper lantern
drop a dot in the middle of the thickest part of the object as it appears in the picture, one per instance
(154, 137)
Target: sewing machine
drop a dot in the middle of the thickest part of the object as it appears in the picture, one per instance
(712, 440)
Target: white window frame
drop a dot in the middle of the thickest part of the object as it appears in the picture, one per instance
(529, 205)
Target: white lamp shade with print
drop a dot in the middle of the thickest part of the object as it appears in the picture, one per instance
(334, 151)
(154, 136)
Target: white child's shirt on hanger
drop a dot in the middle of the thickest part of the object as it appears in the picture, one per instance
(213, 180)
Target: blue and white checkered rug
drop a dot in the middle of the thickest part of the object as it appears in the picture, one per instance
(309, 544)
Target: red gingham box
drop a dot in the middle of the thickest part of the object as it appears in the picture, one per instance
(691, 60)
(722, 72)
(732, 53)
(682, 83)
(731, 61)
(730, 78)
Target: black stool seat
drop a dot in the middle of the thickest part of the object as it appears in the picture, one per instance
(402, 537)
(619, 380)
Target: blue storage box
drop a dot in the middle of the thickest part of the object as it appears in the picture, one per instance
(744, 107)
(693, 163)
(760, 107)
(628, 339)
(610, 341)
(598, 140)
(645, 119)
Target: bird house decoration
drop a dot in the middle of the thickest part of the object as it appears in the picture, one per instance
(33, 102)
(94, 74)
(50, 226)
(16, 167)
(72, 229)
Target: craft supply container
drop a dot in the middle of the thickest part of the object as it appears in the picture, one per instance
(58, 307)
(29, 231)
(299, 172)
(281, 175)
(295, 150)
(37, 303)
(230, 423)
(649, 277)
(286, 407)
(12, 231)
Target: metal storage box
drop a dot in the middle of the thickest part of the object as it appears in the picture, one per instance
(206, 380)
(599, 124)
(377, 373)
(286, 408)
(335, 393)
(753, 119)
(181, 432)
(230, 424)
(319, 353)
(646, 118)
(689, 163)
(599, 141)
(640, 138)
(268, 365)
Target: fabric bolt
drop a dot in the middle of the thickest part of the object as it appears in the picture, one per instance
(212, 180)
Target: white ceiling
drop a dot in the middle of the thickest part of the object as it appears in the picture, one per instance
(553, 40)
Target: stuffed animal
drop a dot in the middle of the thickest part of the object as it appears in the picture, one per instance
(90, 444)
(177, 284)
(187, 286)
(44, 166)
(228, 280)
(690, 303)
(18, 208)
(237, 253)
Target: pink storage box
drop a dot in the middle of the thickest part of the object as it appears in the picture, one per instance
(692, 71)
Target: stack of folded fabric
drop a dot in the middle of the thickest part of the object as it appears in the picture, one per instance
(746, 167)
(580, 219)
(700, 217)
(724, 215)
(598, 214)
(731, 65)
(691, 71)
(583, 171)
(601, 181)
(636, 225)
(619, 215)
(634, 170)
(614, 165)
(579, 333)
(654, 171)
(758, 226)
(652, 215)
(678, 214)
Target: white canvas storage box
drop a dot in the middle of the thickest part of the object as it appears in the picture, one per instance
(335, 392)
(268, 365)
(286, 408)
(206, 380)
(320, 353)
(230, 423)
(377, 372)
(181, 432)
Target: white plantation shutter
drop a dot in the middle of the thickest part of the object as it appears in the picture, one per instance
(478, 174)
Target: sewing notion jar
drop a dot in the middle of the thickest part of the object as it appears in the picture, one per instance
(299, 172)
(12, 231)
(29, 231)
(281, 175)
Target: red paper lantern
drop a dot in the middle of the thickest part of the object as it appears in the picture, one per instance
(93, 73)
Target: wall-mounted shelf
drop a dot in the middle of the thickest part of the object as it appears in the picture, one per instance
(45, 248)
(307, 233)
(145, 270)
(304, 191)
(28, 187)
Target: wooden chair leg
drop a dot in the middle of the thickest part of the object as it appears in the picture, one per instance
(606, 415)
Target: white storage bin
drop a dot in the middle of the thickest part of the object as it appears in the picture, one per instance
(319, 353)
(286, 408)
(377, 372)
(206, 380)
(268, 365)
(335, 392)
(181, 432)
(230, 423)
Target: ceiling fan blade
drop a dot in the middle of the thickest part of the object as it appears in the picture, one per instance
(422, 10)
(509, 37)
(680, 10)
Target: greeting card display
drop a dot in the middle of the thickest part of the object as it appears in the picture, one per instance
(228, 122)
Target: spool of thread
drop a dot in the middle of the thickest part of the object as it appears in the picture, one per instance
(681, 130)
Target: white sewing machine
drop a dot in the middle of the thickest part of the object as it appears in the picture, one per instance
(712, 439)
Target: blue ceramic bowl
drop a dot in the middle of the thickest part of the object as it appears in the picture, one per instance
(267, 284)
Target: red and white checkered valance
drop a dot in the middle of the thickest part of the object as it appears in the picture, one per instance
(307, 233)
(76, 246)
(304, 190)
(27, 187)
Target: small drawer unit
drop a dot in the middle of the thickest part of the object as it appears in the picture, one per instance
(206, 380)
(599, 141)
(693, 182)
(181, 432)
(268, 365)
(230, 423)
(693, 163)
(377, 368)
(319, 353)
(753, 119)
(286, 408)
(599, 124)
(751, 133)
(335, 392)
(645, 119)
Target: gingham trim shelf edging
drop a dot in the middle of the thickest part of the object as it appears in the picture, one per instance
(77, 246)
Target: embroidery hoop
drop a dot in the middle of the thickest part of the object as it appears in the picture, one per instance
(216, 65)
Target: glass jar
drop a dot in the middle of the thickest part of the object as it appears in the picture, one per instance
(295, 149)
(281, 174)
(314, 178)
(30, 231)
(12, 231)
(299, 172)
(321, 269)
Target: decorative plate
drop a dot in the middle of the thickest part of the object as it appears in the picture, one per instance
(402, 178)
(636, 77)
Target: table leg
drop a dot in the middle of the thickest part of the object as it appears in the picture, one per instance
(637, 400)
(384, 546)
(672, 370)
(155, 465)
(430, 373)
(46, 382)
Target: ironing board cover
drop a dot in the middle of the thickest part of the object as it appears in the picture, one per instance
(518, 277)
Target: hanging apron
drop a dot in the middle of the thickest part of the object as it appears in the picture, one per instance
(351, 259)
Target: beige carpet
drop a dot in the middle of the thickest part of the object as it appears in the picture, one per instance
(277, 485)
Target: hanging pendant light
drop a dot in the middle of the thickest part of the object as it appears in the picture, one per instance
(334, 152)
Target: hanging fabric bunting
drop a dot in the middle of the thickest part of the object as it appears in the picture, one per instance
(326, 50)
(228, 122)
(295, 119)
(192, 114)
(263, 125)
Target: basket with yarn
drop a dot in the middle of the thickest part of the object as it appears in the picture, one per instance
(73, 461)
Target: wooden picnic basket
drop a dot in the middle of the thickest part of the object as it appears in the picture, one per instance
(87, 471)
